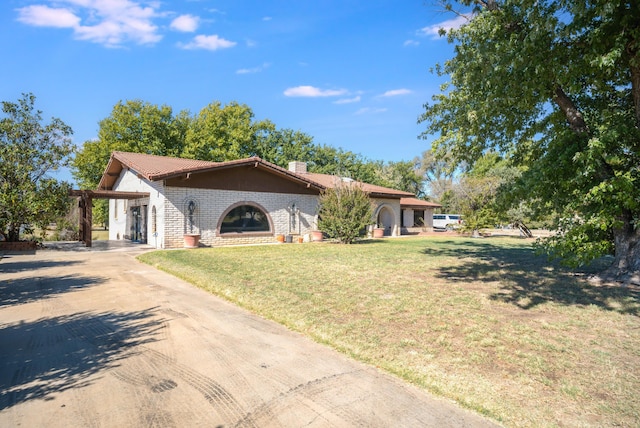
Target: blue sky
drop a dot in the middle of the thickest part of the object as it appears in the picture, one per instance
(352, 74)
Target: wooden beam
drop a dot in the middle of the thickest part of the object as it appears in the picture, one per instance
(108, 194)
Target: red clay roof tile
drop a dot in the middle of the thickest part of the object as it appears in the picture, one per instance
(155, 168)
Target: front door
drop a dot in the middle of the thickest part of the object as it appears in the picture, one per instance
(136, 224)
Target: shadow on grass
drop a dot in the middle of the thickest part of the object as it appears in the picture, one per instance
(41, 358)
(528, 280)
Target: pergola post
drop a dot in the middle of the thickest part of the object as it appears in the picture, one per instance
(85, 219)
(85, 204)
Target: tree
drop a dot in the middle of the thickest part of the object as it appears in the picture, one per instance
(345, 211)
(480, 191)
(221, 133)
(554, 85)
(29, 151)
(437, 174)
(133, 126)
(402, 175)
(281, 146)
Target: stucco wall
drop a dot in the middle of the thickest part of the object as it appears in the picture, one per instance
(120, 219)
(392, 206)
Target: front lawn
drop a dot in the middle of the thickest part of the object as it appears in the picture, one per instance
(484, 322)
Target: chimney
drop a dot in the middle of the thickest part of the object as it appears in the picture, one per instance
(298, 167)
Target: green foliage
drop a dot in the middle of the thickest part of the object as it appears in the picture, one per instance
(548, 85)
(592, 237)
(404, 176)
(220, 133)
(480, 192)
(436, 175)
(281, 146)
(345, 211)
(29, 151)
(133, 126)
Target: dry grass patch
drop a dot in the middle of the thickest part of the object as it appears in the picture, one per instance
(484, 322)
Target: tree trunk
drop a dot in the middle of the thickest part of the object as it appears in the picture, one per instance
(626, 263)
(13, 234)
(635, 91)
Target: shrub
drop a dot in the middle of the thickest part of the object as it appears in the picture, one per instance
(345, 211)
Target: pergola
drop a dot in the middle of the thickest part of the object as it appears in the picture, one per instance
(86, 207)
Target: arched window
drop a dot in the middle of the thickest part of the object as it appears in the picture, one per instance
(245, 219)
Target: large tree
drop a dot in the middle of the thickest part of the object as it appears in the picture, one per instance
(554, 85)
(133, 126)
(436, 173)
(221, 133)
(29, 152)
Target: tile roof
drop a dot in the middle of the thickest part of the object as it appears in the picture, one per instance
(152, 166)
(418, 203)
(327, 180)
(155, 168)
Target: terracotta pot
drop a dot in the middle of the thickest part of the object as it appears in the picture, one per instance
(280, 238)
(191, 240)
(378, 232)
(316, 236)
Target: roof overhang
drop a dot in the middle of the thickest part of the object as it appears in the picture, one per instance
(107, 194)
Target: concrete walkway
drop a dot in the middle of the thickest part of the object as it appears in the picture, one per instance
(96, 339)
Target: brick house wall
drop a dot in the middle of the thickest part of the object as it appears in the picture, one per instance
(212, 205)
(166, 217)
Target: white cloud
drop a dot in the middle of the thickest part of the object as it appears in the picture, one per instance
(108, 22)
(44, 16)
(455, 23)
(396, 92)
(211, 43)
(311, 91)
(267, 18)
(411, 43)
(369, 110)
(253, 70)
(185, 23)
(348, 100)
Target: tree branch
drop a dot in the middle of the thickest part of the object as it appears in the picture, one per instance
(571, 112)
(491, 5)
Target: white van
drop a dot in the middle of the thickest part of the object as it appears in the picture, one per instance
(447, 221)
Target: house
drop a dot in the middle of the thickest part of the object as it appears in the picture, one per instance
(417, 215)
(235, 202)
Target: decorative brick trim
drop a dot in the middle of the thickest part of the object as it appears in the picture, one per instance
(18, 246)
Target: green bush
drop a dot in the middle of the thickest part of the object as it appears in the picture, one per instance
(345, 212)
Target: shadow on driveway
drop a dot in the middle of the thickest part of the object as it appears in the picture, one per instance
(51, 355)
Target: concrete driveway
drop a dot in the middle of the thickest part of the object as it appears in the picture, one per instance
(97, 339)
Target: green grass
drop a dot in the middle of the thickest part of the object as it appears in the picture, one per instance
(483, 322)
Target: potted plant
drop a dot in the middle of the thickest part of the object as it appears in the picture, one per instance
(378, 231)
(191, 240)
(316, 235)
